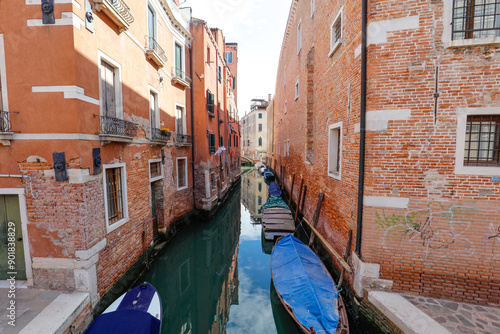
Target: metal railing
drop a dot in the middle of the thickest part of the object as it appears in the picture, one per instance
(122, 8)
(183, 139)
(5, 124)
(177, 72)
(157, 134)
(153, 45)
(118, 127)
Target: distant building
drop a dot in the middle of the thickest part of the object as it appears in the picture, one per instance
(254, 130)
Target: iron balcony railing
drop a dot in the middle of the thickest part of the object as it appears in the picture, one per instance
(177, 72)
(122, 8)
(118, 127)
(5, 124)
(181, 139)
(157, 134)
(153, 45)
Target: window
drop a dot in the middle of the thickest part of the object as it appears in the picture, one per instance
(109, 89)
(211, 143)
(299, 37)
(182, 181)
(180, 120)
(115, 194)
(260, 115)
(476, 19)
(335, 33)
(229, 57)
(482, 141)
(221, 141)
(478, 141)
(154, 114)
(313, 7)
(179, 64)
(260, 187)
(260, 141)
(219, 74)
(234, 82)
(210, 102)
(208, 54)
(335, 150)
(155, 170)
(296, 90)
(260, 127)
(152, 34)
(259, 200)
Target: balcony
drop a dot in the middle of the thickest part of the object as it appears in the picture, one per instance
(117, 11)
(160, 137)
(117, 130)
(155, 52)
(180, 77)
(5, 128)
(183, 140)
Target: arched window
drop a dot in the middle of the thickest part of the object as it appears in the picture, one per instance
(260, 141)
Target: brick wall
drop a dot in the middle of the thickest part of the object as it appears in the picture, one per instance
(433, 229)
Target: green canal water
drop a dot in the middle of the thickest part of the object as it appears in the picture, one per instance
(215, 277)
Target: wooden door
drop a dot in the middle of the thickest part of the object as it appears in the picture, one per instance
(11, 238)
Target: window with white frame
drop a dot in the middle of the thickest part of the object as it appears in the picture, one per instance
(335, 150)
(179, 60)
(154, 113)
(299, 37)
(180, 120)
(313, 7)
(475, 19)
(182, 179)
(478, 141)
(115, 194)
(110, 87)
(336, 33)
(297, 90)
(152, 29)
(229, 57)
(155, 170)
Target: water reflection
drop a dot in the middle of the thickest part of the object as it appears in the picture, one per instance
(253, 193)
(214, 277)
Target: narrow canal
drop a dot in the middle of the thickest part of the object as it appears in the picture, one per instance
(215, 277)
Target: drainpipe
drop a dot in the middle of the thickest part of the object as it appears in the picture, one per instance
(362, 126)
(192, 116)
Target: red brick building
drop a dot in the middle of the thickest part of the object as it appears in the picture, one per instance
(217, 157)
(427, 120)
(96, 133)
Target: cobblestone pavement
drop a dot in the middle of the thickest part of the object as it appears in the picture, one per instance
(29, 303)
(459, 318)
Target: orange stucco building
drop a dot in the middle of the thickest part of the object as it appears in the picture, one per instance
(96, 133)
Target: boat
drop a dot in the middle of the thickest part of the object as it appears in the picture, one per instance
(138, 311)
(306, 289)
(262, 169)
(268, 175)
(274, 189)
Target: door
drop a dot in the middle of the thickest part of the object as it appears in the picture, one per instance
(11, 238)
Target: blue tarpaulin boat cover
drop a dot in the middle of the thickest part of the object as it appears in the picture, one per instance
(125, 322)
(274, 189)
(275, 202)
(305, 285)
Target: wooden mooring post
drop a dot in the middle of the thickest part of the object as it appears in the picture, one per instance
(316, 216)
(291, 190)
(300, 198)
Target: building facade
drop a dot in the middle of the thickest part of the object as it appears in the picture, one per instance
(216, 157)
(421, 132)
(96, 154)
(254, 130)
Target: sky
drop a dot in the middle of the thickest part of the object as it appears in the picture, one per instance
(258, 26)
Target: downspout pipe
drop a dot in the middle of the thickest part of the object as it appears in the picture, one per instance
(362, 125)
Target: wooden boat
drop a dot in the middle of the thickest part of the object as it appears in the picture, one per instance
(137, 311)
(306, 289)
(268, 175)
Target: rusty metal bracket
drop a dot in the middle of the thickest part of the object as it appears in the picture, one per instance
(48, 12)
(60, 166)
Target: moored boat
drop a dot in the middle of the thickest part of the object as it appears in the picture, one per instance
(306, 289)
(137, 311)
(268, 175)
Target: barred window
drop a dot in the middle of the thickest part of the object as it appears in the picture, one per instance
(114, 194)
(476, 19)
(482, 141)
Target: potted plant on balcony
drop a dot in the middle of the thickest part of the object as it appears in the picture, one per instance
(165, 132)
